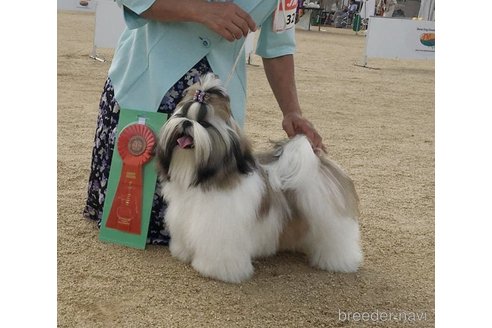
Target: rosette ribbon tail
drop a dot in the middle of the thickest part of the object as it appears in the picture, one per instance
(135, 146)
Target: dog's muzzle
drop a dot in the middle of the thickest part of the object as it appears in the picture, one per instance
(185, 140)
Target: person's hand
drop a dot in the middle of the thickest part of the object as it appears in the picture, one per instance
(294, 124)
(227, 19)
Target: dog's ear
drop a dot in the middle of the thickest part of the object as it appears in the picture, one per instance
(204, 174)
(163, 161)
(240, 160)
(241, 150)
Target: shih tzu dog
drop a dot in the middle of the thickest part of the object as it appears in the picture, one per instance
(227, 206)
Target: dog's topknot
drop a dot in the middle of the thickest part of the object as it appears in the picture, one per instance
(207, 95)
(209, 84)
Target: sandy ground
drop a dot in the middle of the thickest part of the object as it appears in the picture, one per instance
(377, 123)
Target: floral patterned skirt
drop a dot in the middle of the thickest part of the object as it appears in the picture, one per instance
(104, 143)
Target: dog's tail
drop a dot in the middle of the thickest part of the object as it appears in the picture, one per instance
(299, 169)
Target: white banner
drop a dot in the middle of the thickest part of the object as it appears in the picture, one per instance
(109, 24)
(368, 9)
(395, 38)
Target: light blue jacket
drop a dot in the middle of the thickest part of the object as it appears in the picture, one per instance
(151, 56)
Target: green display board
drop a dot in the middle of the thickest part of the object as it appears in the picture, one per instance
(154, 121)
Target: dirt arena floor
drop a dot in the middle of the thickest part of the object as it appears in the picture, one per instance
(377, 123)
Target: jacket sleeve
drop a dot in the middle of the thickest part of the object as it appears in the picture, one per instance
(132, 10)
(274, 44)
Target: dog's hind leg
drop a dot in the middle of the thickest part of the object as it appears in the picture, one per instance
(333, 240)
(325, 197)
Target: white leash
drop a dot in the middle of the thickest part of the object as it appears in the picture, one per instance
(233, 69)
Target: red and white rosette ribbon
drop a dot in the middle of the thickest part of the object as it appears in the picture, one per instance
(135, 145)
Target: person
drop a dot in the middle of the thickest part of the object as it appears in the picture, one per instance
(352, 8)
(386, 8)
(359, 4)
(164, 49)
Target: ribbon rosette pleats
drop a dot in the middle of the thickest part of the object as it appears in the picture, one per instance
(135, 146)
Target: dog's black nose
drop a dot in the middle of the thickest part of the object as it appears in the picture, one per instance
(186, 124)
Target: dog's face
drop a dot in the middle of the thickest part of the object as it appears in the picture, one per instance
(201, 143)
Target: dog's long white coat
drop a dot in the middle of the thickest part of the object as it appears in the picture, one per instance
(219, 231)
(225, 208)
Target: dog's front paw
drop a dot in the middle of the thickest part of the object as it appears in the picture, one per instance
(180, 252)
(228, 270)
(341, 261)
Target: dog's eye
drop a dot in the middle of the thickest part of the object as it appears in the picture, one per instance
(204, 124)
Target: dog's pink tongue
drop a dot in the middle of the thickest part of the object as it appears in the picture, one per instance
(185, 141)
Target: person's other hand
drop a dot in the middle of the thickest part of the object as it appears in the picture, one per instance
(227, 19)
(294, 124)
